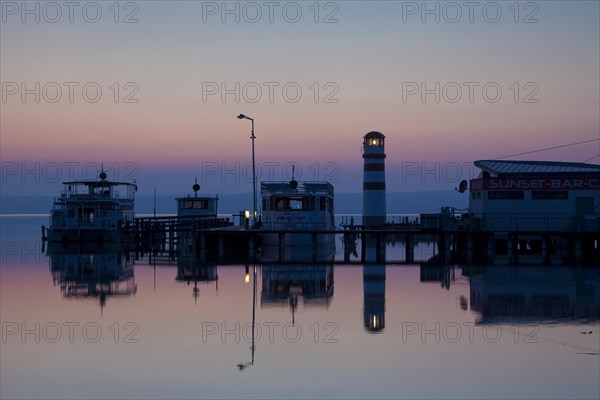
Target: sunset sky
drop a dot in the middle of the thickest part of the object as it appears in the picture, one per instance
(177, 53)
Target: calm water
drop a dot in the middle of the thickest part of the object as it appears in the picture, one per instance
(76, 325)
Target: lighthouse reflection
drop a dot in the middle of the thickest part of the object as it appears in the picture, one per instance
(92, 272)
(374, 271)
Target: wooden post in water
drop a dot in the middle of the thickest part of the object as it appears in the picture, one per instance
(221, 248)
(491, 249)
(251, 247)
(363, 247)
(172, 240)
(281, 245)
(470, 248)
(409, 248)
(347, 245)
(378, 251)
(513, 247)
(578, 254)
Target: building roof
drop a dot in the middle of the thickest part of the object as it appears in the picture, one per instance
(525, 168)
(374, 134)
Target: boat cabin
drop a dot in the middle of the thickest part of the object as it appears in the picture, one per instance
(293, 205)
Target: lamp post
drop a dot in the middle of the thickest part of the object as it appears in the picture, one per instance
(242, 116)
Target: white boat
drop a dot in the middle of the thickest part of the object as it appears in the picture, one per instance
(297, 207)
(92, 211)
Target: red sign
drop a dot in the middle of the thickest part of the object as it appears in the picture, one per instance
(575, 183)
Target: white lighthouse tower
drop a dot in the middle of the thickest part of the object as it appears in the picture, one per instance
(374, 211)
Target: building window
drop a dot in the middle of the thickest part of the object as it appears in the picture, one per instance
(506, 195)
(549, 195)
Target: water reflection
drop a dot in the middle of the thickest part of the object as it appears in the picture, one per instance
(374, 272)
(558, 306)
(92, 272)
(241, 366)
(189, 270)
(504, 292)
(310, 284)
(444, 274)
(297, 247)
(539, 293)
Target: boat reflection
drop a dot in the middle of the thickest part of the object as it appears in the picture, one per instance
(84, 271)
(311, 248)
(290, 284)
(189, 270)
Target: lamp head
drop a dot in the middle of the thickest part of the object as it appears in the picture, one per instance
(241, 116)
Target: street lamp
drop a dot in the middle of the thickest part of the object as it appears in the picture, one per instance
(242, 116)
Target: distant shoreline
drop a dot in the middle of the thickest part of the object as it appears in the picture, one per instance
(399, 203)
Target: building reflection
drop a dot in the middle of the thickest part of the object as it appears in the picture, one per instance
(292, 284)
(84, 271)
(536, 292)
(374, 271)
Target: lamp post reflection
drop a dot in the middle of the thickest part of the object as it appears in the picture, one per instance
(242, 366)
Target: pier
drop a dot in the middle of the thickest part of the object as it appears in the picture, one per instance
(455, 239)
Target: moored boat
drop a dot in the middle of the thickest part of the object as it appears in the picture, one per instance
(306, 210)
(92, 211)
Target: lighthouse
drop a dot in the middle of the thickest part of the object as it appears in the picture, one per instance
(374, 180)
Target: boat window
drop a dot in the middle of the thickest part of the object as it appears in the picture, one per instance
(296, 204)
(323, 206)
(88, 215)
(308, 203)
(289, 203)
(195, 204)
(282, 203)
